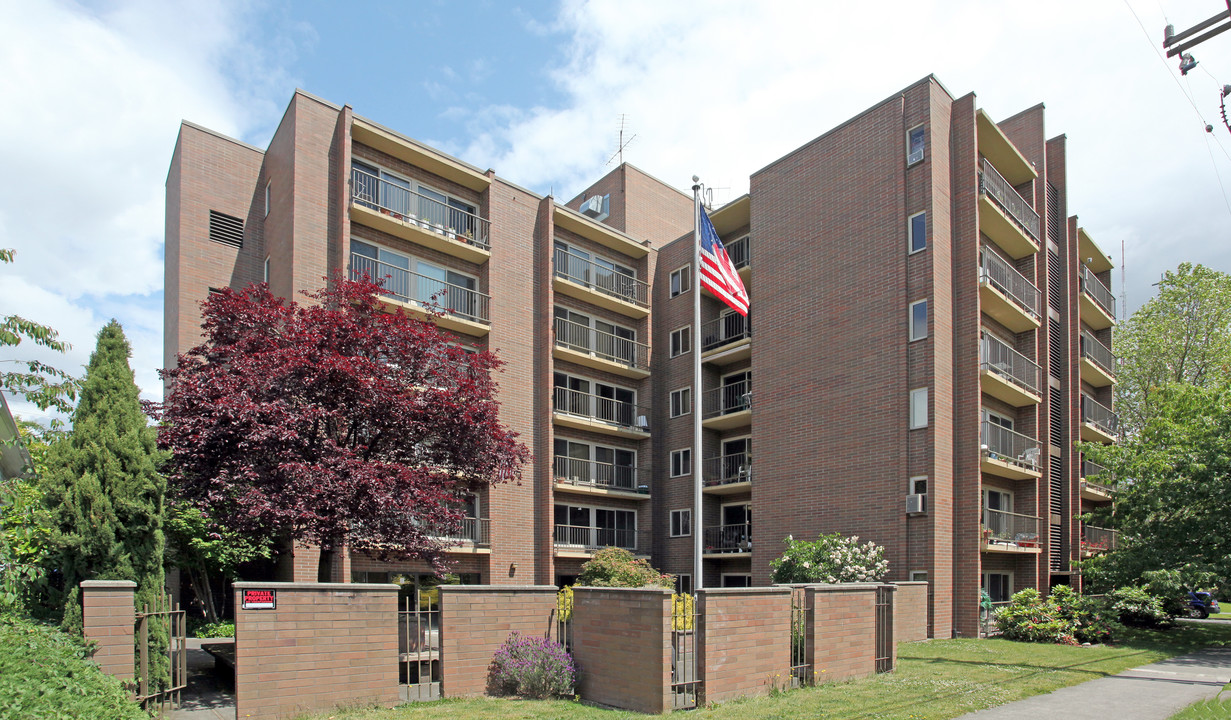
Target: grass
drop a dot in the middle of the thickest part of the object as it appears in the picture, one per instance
(935, 680)
(1212, 709)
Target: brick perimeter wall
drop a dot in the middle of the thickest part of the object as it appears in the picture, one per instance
(475, 621)
(108, 616)
(746, 645)
(324, 645)
(622, 646)
(843, 631)
(910, 612)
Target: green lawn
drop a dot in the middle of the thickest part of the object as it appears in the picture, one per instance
(1217, 708)
(934, 680)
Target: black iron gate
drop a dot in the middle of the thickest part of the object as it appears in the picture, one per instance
(884, 629)
(685, 633)
(162, 656)
(801, 655)
(419, 646)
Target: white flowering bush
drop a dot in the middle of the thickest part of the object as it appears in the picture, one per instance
(830, 559)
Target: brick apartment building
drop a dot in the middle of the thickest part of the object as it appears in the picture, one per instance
(932, 335)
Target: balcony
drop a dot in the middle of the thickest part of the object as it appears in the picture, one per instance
(1006, 374)
(1006, 295)
(1091, 254)
(726, 540)
(1095, 540)
(1098, 422)
(740, 253)
(1097, 305)
(600, 284)
(1095, 492)
(726, 340)
(1010, 532)
(1009, 454)
(449, 306)
(1098, 363)
(1005, 216)
(727, 474)
(422, 220)
(474, 536)
(589, 477)
(601, 350)
(594, 231)
(583, 540)
(728, 407)
(584, 411)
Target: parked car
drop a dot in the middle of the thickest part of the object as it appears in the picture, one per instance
(1201, 604)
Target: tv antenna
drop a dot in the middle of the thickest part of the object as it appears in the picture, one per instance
(622, 143)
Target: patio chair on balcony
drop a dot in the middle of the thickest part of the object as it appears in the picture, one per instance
(1029, 457)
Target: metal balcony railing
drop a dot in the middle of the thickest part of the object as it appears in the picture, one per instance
(601, 344)
(1010, 528)
(1099, 415)
(592, 473)
(727, 469)
(428, 213)
(429, 292)
(724, 330)
(1098, 353)
(596, 407)
(728, 538)
(1096, 487)
(728, 399)
(601, 277)
(1003, 277)
(1090, 471)
(1009, 364)
(1098, 292)
(1005, 445)
(592, 538)
(739, 252)
(992, 184)
(474, 530)
(1097, 539)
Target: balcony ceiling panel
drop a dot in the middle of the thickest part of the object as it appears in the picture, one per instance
(996, 146)
(1090, 254)
(732, 216)
(609, 237)
(433, 161)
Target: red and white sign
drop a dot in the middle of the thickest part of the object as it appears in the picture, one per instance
(258, 600)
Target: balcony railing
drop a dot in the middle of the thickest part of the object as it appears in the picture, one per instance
(997, 188)
(728, 538)
(728, 399)
(1098, 353)
(1009, 364)
(1010, 528)
(1012, 284)
(1005, 445)
(1096, 487)
(430, 292)
(1098, 292)
(1090, 471)
(624, 414)
(473, 530)
(592, 473)
(593, 538)
(602, 344)
(428, 213)
(739, 252)
(1099, 416)
(601, 278)
(724, 330)
(727, 469)
(1097, 539)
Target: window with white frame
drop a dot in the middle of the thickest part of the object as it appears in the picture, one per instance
(594, 527)
(919, 485)
(915, 141)
(681, 341)
(591, 335)
(999, 500)
(918, 320)
(591, 398)
(917, 231)
(680, 280)
(580, 463)
(268, 184)
(683, 583)
(413, 280)
(411, 201)
(917, 489)
(918, 408)
(681, 522)
(998, 586)
(918, 575)
(585, 268)
(681, 402)
(267, 268)
(995, 418)
(681, 462)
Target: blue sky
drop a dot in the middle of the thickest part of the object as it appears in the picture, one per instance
(95, 93)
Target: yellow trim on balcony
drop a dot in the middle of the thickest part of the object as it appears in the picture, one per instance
(730, 421)
(1013, 548)
(1003, 230)
(1095, 375)
(996, 146)
(1093, 314)
(412, 232)
(595, 297)
(1087, 249)
(598, 363)
(449, 322)
(1094, 493)
(580, 422)
(469, 548)
(1093, 433)
(421, 156)
(740, 553)
(606, 236)
(729, 354)
(584, 554)
(594, 490)
(1005, 469)
(731, 488)
(1000, 308)
(732, 216)
(999, 387)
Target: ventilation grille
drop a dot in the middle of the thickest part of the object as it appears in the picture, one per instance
(1055, 417)
(226, 229)
(1056, 550)
(1055, 350)
(1054, 290)
(1055, 223)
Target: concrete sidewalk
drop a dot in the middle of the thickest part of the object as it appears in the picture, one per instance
(208, 697)
(1149, 692)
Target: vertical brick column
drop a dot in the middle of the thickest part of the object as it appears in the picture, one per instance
(910, 612)
(843, 630)
(475, 620)
(622, 645)
(745, 646)
(108, 616)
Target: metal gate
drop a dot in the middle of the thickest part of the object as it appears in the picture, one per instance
(884, 629)
(162, 656)
(685, 633)
(801, 658)
(419, 646)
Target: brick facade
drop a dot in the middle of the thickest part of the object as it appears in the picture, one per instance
(843, 631)
(475, 621)
(745, 648)
(910, 612)
(108, 619)
(622, 647)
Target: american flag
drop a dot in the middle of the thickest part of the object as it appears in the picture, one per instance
(718, 273)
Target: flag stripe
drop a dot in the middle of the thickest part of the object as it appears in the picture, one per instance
(717, 272)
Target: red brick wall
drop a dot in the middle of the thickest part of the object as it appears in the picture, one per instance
(108, 616)
(476, 620)
(746, 645)
(910, 612)
(324, 645)
(843, 631)
(622, 646)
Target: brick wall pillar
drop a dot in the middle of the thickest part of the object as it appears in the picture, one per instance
(843, 630)
(108, 615)
(622, 646)
(910, 612)
(745, 646)
(475, 620)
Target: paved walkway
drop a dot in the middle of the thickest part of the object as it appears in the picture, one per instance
(207, 697)
(1149, 692)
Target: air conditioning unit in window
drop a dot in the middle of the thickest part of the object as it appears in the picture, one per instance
(915, 157)
(916, 503)
(597, 208)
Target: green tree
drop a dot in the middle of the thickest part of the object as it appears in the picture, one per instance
(1182, 335)
(102, 485)
(24, 534)
(617, 567)
(37, 382)
(207, 552)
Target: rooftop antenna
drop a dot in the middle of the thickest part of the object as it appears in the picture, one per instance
(619, 153)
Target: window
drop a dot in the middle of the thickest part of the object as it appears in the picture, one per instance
(681, 402)
(997, 419)
(267, 268)
(681, 523)
(596, 465)
(680, 281)
(267, 186)
(595, 526)
(918, 320)
(412, 202)
(598, 273)
(412, 280)
(914, 144)
(681, 462)
(683, 583)
(737, 392)
(681, 341)
(918, 575)
(590, 398)
(919, 485)
(918, 232)
(998, 500)
(999, 586)
(736, 580)
(600, 338)
(917, 495)
(918, 408)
